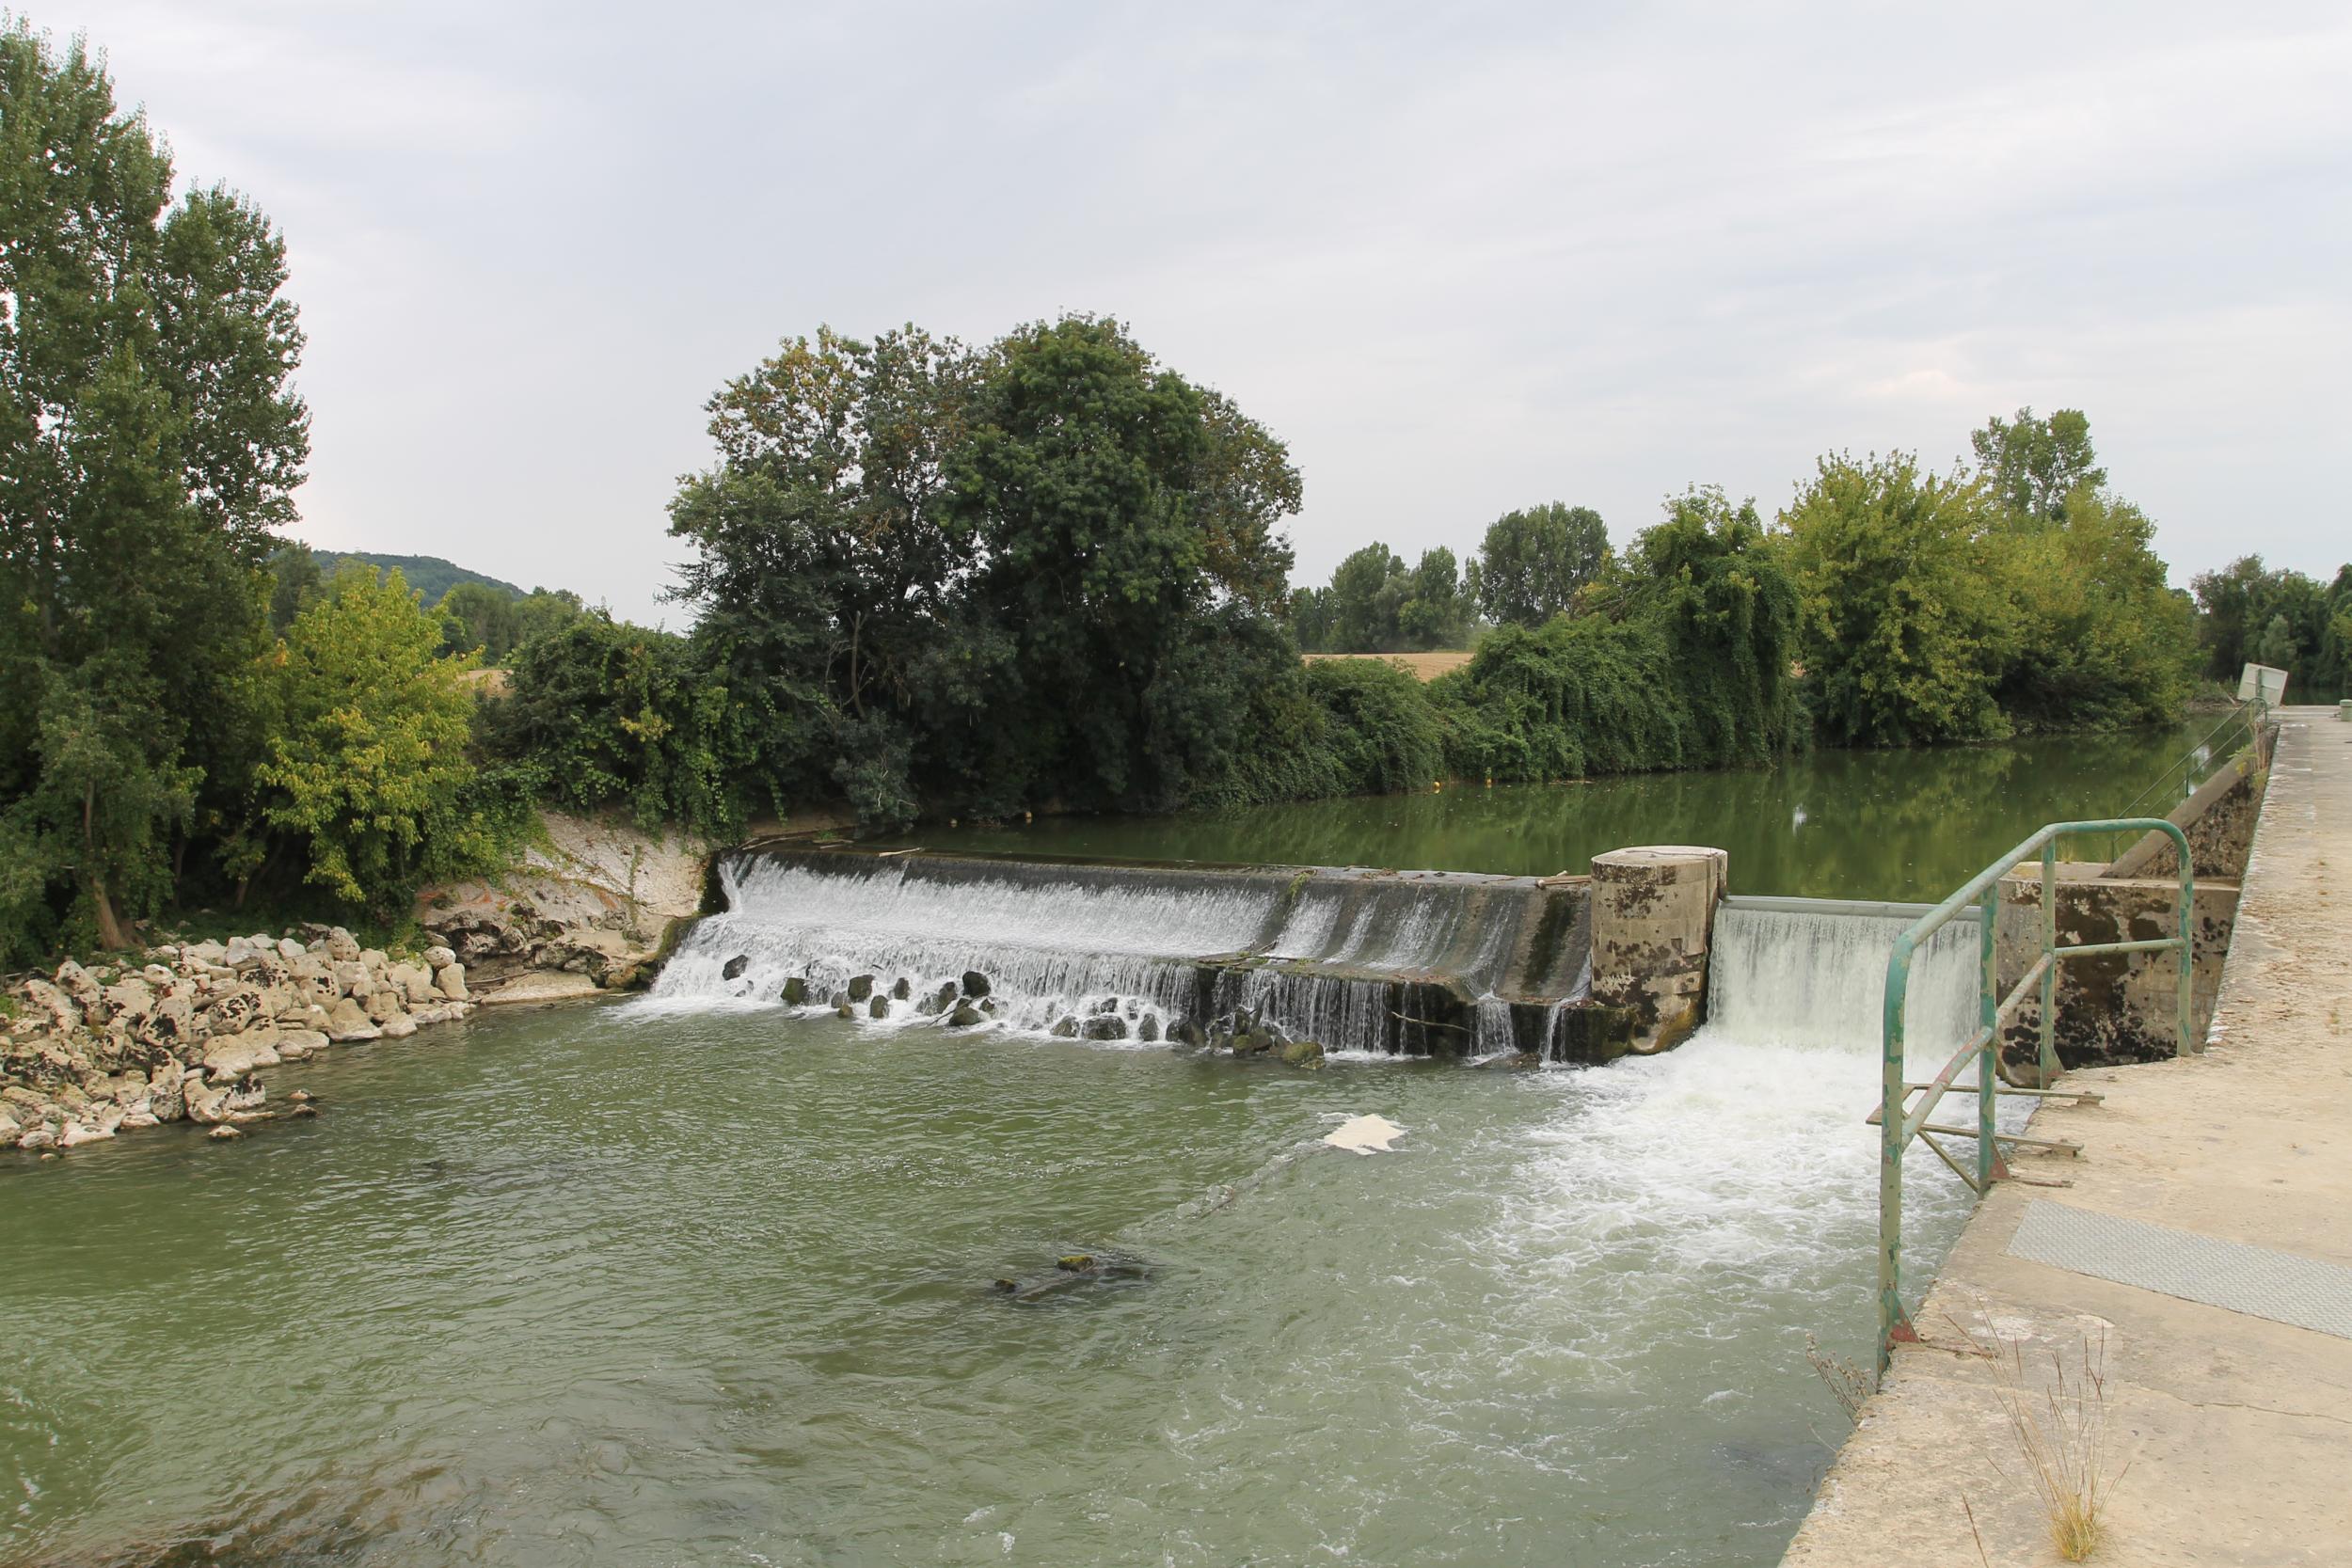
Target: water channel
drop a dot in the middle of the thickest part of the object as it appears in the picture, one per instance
(682, 1279)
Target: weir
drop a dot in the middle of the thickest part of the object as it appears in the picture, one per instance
(1421, 963)
(1413, 963)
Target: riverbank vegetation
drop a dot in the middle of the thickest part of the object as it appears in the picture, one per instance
(922, 578)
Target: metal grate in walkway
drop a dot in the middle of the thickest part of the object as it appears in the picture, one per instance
(2257, 1281)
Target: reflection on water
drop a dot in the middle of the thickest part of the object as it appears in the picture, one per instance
(635, 1285)
(1908, 824)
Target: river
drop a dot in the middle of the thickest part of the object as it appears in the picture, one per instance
(662, 1281)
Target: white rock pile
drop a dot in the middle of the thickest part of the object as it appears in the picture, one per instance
(92, 1051)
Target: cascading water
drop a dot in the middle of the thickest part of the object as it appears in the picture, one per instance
(1815, 980)
(1357, 960)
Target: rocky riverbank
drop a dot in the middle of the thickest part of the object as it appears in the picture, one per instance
(181, 1031)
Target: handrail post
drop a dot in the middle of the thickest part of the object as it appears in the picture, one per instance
(1891, 1097)
(1988, 1016)
(2191, 1042)
(2049, 972)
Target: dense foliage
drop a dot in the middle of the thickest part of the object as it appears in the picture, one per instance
(150, 445)
(2257, 615)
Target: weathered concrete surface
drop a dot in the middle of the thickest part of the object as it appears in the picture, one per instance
(1653, 921)
(2117, 1006)
(2233, 1435)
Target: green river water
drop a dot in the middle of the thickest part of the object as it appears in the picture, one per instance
(1832, 824)
(642, 1283)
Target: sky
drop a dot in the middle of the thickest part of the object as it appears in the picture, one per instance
(1461, 259)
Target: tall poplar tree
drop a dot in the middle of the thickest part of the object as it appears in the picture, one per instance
(149, 446)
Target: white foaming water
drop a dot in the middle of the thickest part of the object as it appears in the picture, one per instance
(1741, 1162)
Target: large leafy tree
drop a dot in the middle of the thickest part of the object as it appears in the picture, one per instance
(149, 445)
(1366, 591)
(2101, 638)
(1533, 561)
(1906, 629)
(825, 548)
(1728, 614)
(2033, 465)
(1098, 487)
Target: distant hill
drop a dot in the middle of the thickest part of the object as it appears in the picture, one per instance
(428, 575)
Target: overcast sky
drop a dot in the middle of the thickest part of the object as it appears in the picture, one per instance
(1460, 258)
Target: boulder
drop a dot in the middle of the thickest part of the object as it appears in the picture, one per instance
(437, 957)
(542, 987)
(399, 1027)
(234, 1055)
(1065, 1028)
(450, 979)
(1303, 1053)
(842, 1009)
(903, 991)
(289, 949)
(351, 978)
(878, 1007)
(1106, 1026)
(795, 993)
(415, 984)
(36, 1139)
(974, 983)
(733, 967)
(225, 1134)
(964, 1017)
(860, 987)
(348, 1021)
(1148, 1029)
(300, 1045)
(341, 945)
(166, 1098)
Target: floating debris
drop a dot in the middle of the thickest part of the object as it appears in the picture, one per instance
(1364, 1135)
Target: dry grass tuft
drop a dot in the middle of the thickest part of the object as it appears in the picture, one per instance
(1847, 1382)
(2061, 1434)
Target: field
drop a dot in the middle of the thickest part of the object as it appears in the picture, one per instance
(1427, 666)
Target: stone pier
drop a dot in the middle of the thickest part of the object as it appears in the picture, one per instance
(1653, 923)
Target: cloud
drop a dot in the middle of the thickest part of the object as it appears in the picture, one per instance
(1460, 259)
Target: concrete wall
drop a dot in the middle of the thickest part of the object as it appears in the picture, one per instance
(2111, 1007)
(2125, 1007)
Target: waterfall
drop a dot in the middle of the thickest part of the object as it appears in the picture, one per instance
(1817, 981)
(1359, 961)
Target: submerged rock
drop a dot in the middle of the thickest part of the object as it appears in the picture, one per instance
(795, 993)
(1065, 1028)
(860, 987)
(1107, 1027)
(1149, 1030)
(843, 1009)
(900, 991)
(974, 983)
(1303, 1053)
(1075, 1271)
(966, 1016)
(733, 967)
(878, 1007)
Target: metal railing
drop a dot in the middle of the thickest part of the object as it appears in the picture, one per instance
(1899, 1122)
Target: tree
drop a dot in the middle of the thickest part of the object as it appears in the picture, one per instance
(825, 545)
(1728, 615)
(1906, 632)
(368, 767)
(149, 446)
(2101, 639)
(2033, 465)
(1363, 605)
(1534, 560)
(295, 583)
(1093, 482)
(1310, 619)
(1432, 611)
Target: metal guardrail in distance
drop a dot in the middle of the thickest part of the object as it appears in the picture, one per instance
(1900, 1121)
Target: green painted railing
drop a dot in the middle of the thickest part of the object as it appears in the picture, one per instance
(1900, 1121)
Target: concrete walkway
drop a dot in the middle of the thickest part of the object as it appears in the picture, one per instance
(2231, 1432)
